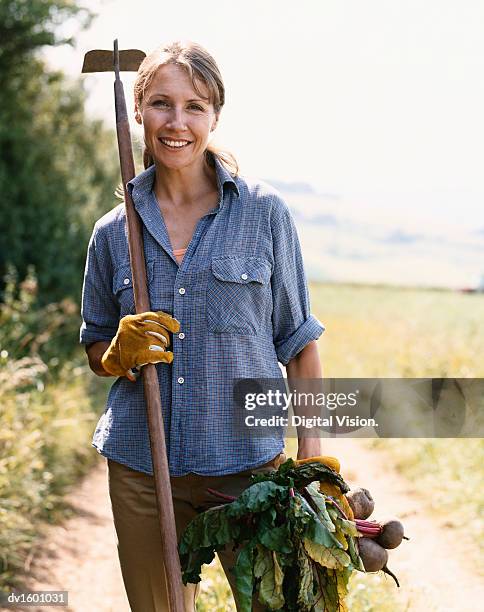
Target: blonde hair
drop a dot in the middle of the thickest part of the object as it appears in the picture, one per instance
(201, 67)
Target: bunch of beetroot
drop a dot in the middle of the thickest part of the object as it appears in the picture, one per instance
(375, 537)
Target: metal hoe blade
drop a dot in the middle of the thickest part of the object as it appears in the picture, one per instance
(100, 60)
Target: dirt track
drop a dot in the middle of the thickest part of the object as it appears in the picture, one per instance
(81, 556)
(433, 575)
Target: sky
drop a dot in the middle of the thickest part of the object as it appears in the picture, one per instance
(379, 103)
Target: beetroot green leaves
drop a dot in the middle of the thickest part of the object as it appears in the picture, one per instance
(295, 553)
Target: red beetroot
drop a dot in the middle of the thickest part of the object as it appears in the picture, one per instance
(361, 502)
(392, 534)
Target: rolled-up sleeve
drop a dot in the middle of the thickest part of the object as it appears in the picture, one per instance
(99, 310)
(293, 324)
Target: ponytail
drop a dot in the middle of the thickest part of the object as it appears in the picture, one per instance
(147, 159)
(226, 158)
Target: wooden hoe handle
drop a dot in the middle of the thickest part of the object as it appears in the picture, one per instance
(149, 375)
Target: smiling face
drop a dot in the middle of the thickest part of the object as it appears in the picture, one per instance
(177, 121)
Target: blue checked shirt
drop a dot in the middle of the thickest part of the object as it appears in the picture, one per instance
(242, 300)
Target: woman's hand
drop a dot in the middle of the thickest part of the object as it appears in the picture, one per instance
(140, 339)
(308, 447)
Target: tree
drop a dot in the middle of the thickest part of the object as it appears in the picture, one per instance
(58, 168)
(26, 25)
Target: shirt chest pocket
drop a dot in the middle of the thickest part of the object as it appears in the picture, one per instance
(123, 287)
(239, 297)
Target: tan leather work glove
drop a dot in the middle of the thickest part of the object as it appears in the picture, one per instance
(328, 488)
(140, 339)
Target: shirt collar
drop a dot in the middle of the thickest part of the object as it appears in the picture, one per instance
(223, 175)
(141, 185)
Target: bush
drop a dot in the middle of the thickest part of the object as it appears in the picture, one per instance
(45, 333)
(47, 395)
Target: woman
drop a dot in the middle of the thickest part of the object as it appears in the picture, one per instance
(226, 278)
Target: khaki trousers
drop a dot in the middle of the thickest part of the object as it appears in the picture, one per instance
(133, 502)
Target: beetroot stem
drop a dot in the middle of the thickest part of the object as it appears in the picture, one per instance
(333, 501)
(227, 498)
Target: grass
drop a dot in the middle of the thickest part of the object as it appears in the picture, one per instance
(392, 332)
(215, 595)
(44, 449)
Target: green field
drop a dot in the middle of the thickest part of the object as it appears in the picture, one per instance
(392, 332)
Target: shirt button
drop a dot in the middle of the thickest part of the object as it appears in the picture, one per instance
(181, 290)
(181, 335)
(244, 276)
(126, 281)
(181, 380)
